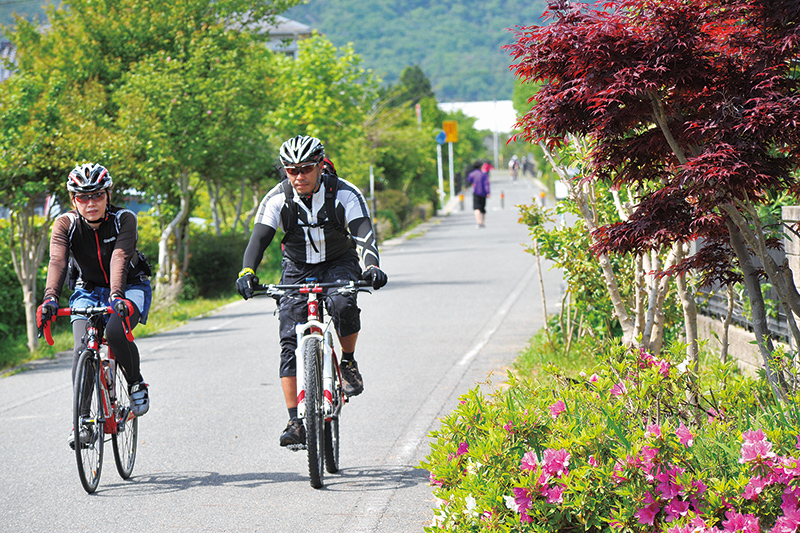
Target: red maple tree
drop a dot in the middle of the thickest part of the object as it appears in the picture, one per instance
(697, 104)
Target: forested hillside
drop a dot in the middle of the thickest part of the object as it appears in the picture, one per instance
(455, 42)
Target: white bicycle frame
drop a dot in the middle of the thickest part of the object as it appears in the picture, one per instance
(314, 329)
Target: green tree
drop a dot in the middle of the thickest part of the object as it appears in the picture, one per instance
(326, 93)
(190, 120)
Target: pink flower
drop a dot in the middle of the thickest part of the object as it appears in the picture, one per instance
(618, 389)
(434, 481)
(647, 514)
(667, 486)
(784, 524)
(654, 430)
(755, 447)
(662, 367)
(754, 488)
(462, 449)
(509, 427)
(557, 408)
(594, 377)
(522, 502)
(790, 501)
(592, 461)
(740, 522)
(529, 461)
(522, 498)
(555, 494)
(555, 462)
(676, 509)
(684, 435)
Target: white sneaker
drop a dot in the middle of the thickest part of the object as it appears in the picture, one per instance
(140, 400)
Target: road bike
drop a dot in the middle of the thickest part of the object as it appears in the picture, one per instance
(320, 395)
(101, 401)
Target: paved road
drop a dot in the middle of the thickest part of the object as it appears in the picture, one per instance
(461, 303)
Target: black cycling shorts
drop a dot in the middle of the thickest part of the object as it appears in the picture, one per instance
(293, 310)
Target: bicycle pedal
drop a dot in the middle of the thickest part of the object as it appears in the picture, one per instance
(296, 447)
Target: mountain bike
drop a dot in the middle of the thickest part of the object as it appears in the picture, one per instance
(320, 395)
(101, 402)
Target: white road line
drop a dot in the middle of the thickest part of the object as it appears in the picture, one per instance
(371, 508)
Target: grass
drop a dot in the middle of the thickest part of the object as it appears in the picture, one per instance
(542, 352)
(14, 352)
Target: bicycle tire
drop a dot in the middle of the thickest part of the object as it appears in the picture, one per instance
(332, 445)
(315, 432)
(125, 439)
(86, 399)
(332, 428)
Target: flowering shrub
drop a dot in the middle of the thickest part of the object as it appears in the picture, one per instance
(630, 447)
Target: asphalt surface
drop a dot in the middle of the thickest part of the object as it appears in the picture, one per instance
(460, 305)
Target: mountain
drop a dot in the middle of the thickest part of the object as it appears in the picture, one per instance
(455, 42)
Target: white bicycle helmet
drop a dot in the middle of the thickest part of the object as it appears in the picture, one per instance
(302, 149)
(88, 178)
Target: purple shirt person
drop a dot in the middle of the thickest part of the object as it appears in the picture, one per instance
(479, 178)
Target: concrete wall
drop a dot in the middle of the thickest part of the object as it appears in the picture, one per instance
(741, 341)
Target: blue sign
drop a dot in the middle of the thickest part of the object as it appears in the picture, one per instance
(441, 137)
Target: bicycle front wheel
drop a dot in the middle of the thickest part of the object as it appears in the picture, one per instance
(332, 445)
(87, 421)
(332, 428)
(315, 435)
(124, 440)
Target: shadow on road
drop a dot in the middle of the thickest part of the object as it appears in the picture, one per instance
(376, 478)
(180, 481)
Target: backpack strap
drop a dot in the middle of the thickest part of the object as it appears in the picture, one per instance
(331, 188)
(289, 213)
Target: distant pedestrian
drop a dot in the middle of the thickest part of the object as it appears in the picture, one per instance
(481, 190)
(513, 167)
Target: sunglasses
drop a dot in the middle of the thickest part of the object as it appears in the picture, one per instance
(305, 169)
(86, 198)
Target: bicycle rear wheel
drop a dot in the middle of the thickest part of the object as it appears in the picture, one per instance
(124, 440)
(315, 434)
(86, 419)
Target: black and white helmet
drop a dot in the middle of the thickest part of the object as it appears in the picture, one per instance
(302, 149)
(88, 178)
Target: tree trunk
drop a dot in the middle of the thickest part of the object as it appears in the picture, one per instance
(27, 245)
(581, 195)
(753, 287)
(213, 196)
(689, 312)
(167, 277)
(541, 284)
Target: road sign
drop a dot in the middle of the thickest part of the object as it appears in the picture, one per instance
(441, 137)
(450, 128)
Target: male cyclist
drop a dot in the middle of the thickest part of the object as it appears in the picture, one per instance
(96, 243)
(321, 236)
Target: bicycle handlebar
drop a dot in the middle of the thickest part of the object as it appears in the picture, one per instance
(87, 312)
(343, 287)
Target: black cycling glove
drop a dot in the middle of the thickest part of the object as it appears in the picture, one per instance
(375, 276)
(246, 283)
